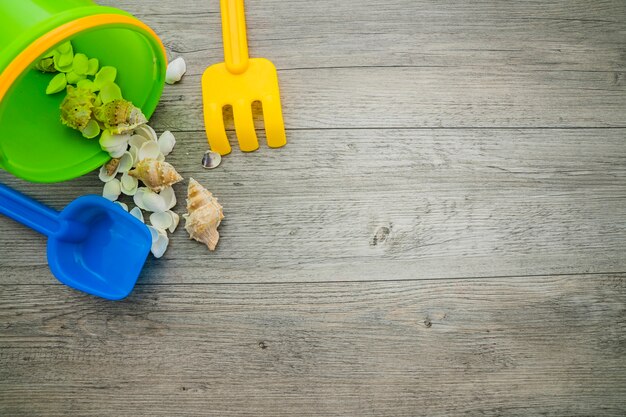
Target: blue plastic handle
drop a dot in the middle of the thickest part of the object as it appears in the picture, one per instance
(37, 216)
(28, 211)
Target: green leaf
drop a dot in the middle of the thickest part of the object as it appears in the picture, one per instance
(73, 78)
(81, 64)
(110, 92)
(86, 84)
(57, 84)
(91, 130)
(104, 76)
(92, 66)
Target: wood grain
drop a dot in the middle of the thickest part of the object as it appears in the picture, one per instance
(541, 346)
(443, 235)
(387, 204)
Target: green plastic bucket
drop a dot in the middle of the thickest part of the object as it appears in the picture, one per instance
(34, 145)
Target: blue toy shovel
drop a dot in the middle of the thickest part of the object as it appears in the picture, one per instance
(93, 244)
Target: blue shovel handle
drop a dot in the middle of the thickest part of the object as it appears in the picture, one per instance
(37, 216)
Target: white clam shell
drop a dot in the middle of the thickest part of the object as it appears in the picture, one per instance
(137, 140)
(175, 219)
(168, 197)
(112, 189)
(129, 184)
(122, 205)
(154, 202)
(138, 197)
(117, 152)
(159, 246)
(175, 70)
(109, 141)
(133, 151)
(104, 176)
(166, 142)
(148, 150)
(136, 212)
(126, 162)
(154, 233)
(147, 132)
(161, 221)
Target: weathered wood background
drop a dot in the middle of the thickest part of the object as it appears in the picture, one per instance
(444, 234)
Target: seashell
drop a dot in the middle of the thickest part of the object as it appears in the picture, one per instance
(161, 220)
(204, 215)
(175, 219)
(211, 160)
(133, 154)
(128, 184)
(115, 145)
(136, 212)
(77, 107)
(138, 197)
(155, 174)
(153, 202)
(169, 197)
(120, 116)
(137, 141)
(147, 132)
(149, 150)
(126, 162)
(122, 205)
(46, 64)
(159, 246)
(112, 190)
(166, 142)
(112, 166)
(175, 70)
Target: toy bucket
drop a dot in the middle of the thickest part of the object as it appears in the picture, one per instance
(34, 145)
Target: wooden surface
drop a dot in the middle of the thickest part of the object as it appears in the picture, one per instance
(445, 233)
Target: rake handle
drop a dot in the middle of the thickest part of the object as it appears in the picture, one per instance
(234, 35)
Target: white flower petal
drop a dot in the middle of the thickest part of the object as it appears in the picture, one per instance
(161, 221)
(112, 190)
(126, 162)
(175, 70)
(147, 132)
(175, 219)
(104, 176)
(136, 211)
(167, 142)
(160, 245)
(122, 205)
(154, 202)
(129, 184)
(148, 150)
(169, 197)
(138, 198)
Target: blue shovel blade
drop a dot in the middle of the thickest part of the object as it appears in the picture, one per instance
(109, 259)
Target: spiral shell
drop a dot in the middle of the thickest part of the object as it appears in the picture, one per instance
(155, 174)
(204, 215)
(77, 107)
(120, 116)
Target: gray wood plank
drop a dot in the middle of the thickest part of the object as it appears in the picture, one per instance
(549, 346)
(414, 63)
(386, 204)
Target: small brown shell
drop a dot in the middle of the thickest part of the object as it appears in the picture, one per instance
(111, 166)
(204, 215)
(155, 174)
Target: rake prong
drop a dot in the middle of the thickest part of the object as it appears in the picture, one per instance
(273, 119)
(244, 126)
(214, 123)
